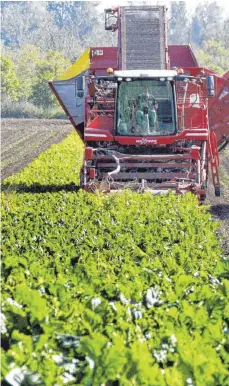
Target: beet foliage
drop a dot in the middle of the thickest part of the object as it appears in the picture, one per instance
(124, 289)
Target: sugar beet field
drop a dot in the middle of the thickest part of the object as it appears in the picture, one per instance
(116, 290)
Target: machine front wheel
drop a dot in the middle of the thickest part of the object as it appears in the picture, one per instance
(217, 191)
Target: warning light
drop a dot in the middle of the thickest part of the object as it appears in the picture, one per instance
(180, 71)
(110, 71)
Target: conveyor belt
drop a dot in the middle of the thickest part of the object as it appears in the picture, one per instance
(143, 38)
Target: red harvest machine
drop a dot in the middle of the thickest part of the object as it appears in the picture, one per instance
(150, 117)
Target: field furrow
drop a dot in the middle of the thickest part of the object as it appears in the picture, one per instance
(22, 140)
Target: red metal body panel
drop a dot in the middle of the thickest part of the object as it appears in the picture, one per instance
(182, 56)
(100, 129)
(219, 110)
(191, 106)
(218, 106)
(99, 62)
(179, 56)
(197, 71)
(191, 135)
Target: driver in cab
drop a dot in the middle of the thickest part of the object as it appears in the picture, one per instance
(146, 114)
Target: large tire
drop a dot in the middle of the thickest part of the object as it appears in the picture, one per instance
(217, 191)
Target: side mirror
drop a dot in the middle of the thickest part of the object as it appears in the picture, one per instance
(111, 23)
(80, 85)
(210, 85)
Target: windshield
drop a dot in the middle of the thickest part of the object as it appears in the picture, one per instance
(145, 108)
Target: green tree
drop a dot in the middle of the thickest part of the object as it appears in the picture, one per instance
(26, 62)
(10, 84)
(179, 24)
(20, 22)
(25, 74)
(207, 23)
(214, 56)
(68, 27)
(78, 24)
(225, 34)
(49, 67)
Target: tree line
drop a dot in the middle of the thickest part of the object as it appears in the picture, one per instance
(41, 39)
(207, 30)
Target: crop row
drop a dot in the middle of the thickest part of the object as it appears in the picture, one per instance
(124, 289)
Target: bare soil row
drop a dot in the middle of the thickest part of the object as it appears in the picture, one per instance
(22, 140)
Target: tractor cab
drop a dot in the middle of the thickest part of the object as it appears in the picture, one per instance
(145, 103)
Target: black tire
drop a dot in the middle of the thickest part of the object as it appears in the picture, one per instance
(217, 191)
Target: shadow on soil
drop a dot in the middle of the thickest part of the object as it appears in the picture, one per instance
(38, 188)
(221, 211)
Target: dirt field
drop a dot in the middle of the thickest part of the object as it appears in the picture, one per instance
(23, 139)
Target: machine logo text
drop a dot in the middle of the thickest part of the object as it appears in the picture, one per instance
(145, 141)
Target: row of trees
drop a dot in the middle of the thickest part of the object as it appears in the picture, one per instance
(66, 26)
(41, 39)
(208, 22)
(25, 75)
(207, 31)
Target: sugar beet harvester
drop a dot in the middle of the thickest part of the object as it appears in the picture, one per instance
(150, 117)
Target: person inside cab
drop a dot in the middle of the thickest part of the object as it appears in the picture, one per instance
(146, 114)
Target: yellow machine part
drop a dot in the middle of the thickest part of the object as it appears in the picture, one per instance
(82, 64)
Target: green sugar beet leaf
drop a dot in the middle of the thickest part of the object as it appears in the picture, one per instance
(34, 303)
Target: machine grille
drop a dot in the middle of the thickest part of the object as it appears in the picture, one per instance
(143, 38)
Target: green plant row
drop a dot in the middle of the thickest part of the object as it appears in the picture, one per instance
(123, 289)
